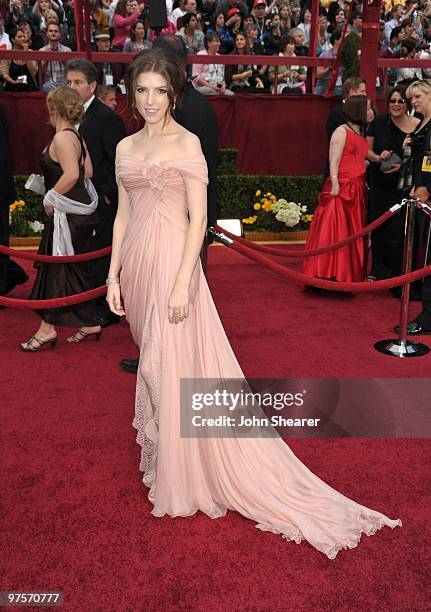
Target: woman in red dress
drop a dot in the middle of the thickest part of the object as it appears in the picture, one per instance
(342, 202)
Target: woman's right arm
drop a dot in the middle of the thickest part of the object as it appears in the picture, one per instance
(120, 21)
(113, 296)
(336, 148)
(4, 70)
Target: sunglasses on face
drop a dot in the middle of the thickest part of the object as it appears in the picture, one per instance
(397, 101)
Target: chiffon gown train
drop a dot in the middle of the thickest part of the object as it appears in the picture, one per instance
(260, 478)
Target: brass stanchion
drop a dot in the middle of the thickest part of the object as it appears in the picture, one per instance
(402, 347)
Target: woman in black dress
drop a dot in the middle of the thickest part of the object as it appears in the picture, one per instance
(243, 78)
(387, 135)
(65, 164)
(19, 75)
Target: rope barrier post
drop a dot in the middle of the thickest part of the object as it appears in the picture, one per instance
(403, 347)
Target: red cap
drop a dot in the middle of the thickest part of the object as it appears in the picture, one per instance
(258, 3)
(233, 11)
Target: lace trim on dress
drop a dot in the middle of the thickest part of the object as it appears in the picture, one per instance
(365, 525)
(147, 407)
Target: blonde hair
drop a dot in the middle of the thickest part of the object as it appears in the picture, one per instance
(37, 12)
(424, 86)
(67, 103)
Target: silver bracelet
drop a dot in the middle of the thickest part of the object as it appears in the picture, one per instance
(113, 280)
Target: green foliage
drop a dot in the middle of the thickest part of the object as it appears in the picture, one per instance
(226, 161)
(236, 194)
(33, 210)
(350, 57)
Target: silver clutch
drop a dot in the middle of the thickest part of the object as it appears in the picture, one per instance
(36, 183)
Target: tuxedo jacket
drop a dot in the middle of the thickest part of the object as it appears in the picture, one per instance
(102, 130)
(196, 114)
(335, 119)
(7, 188)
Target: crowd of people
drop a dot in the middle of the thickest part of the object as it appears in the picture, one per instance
(238, 27)
(375, 161)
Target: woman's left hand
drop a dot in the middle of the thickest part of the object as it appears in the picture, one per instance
(49, 210)
(385, 155)
(393, 169)
(421, 193)
(178, 306)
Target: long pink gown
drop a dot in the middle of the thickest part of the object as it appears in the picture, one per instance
(260, 478)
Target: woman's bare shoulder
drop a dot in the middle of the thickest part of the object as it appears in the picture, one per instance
(65, 136)
(189, 143)
(339, 132)
(125, 145)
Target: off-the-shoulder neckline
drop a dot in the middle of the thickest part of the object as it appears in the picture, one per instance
(160, 161)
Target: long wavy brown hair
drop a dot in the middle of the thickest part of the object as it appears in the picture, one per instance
(162, 62)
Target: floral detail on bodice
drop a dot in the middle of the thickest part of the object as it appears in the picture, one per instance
(163, 178)
(157, 174)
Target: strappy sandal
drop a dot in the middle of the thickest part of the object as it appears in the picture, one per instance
(28, 347)
(81, 335)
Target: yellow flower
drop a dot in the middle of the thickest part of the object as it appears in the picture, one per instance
(257, 206)
(273, 198)
(253, 219)
(258, 192)
(265, 201)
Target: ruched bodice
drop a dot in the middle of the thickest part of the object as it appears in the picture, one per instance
(158, 185)
(352, 163)
(259, 477)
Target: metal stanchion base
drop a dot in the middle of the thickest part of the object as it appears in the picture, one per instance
(398, 348)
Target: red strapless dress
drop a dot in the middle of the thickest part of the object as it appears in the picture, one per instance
(341, 216)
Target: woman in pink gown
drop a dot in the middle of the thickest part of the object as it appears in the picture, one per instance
(158, 232)
(341, 212)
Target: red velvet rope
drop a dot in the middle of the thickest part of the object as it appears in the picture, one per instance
(299, 277)
(309, 253)
(55, 258)
(68, 300)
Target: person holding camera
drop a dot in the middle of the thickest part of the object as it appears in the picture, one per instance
(191, 34)
(407, 75)
(290, 79)
(418, 178)
(387, 140)
(122, 23)
(209, 78)
(19, 75)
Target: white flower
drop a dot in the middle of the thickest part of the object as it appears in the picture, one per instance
(288, 213)
(36, 226)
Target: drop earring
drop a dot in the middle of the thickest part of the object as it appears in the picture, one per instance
(174, 105)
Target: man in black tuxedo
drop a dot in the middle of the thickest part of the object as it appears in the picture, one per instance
(11, 274)
(351, 87)
(196, 114)
(102, 130)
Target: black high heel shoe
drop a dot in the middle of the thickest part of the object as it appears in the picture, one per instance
(81, 335)
(28, 347)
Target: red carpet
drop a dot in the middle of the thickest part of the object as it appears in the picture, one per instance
(76, 515)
